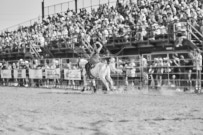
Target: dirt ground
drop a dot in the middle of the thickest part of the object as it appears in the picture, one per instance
(29, 111)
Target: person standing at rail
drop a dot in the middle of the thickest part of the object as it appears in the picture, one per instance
(197, 68)
(159, 72)
(176, 71)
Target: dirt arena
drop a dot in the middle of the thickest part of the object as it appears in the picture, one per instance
(29, 111)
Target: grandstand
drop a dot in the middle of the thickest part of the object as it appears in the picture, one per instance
(124, 27)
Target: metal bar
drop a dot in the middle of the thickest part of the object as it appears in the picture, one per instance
(43, 9)
(195, 29)
(54, 9)
(91, 4)
(61, 8)
(76, 5)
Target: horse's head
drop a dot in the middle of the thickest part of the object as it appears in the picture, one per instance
(112, 65)
(112, 60)
(82, 62)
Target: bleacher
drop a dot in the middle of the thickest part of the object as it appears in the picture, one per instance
(124, 36)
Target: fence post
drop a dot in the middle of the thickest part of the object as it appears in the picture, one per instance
(76, 5)
(141, 69)
(117, 83)
(91, 4)
(197, 77)
(43, 9)
(54, 9)
(61, 8)
(30, 22)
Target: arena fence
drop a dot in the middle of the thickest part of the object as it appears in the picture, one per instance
(81, 4)
(151, 71)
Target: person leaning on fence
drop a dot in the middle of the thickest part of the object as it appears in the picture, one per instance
(197, 68)
(4, 67)
(155, 68)
(159, 72)
(151, 82)
(15, 67)
(130, 71)
(176, 70)
(183, 74)
(167, 70)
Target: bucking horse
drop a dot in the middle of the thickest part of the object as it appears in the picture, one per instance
(101, 71)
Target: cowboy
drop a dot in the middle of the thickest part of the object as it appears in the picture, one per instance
(94, 57)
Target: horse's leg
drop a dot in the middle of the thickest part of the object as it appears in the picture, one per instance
(109, 79)
(84, 84)
(94, 85)
(103, 79)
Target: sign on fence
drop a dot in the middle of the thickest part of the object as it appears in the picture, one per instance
(53, 73)
(19, 73)
(35, 73)
(6, 74)
(72, 74)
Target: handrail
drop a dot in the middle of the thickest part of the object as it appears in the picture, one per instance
(35, 51)
(195, 29)
(194, 35)
(87, 45)
(48, 51)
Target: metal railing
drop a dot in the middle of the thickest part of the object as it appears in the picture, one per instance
(138, 72)
(23, 24)
(61, 8)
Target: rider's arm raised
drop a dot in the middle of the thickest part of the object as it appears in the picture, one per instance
(100, 47)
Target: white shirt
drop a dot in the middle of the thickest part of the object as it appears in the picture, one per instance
(199, 62)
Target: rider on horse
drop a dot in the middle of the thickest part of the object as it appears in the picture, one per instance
(94, 57)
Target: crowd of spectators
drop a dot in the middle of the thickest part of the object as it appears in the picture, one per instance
(176, 70)
(146, 18)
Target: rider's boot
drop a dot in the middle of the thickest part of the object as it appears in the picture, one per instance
(83, 89)
(94, 89)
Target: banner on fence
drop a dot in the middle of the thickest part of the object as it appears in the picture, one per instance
(53, 73)
(19, 73)
(72, 74)
(6, 74)
(35, 73)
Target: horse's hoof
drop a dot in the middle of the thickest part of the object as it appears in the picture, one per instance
(95, 90)
(113, 88)
(83, 90)
(105, 92)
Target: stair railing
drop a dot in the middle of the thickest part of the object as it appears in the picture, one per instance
(34, 50)
(87, 45)
(191, 28)
(48, 51)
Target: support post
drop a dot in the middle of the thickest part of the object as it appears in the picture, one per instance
(76, 6)
(42, 9)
